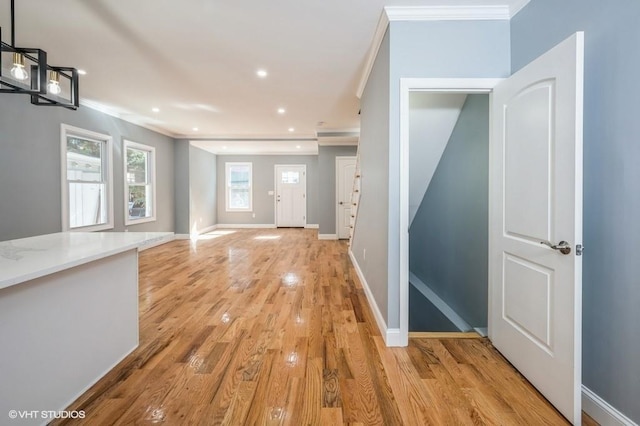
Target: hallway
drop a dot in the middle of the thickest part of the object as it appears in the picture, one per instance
(271, 326)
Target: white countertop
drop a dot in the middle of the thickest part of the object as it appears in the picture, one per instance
(28, 258)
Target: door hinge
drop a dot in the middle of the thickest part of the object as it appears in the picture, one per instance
(579, 249)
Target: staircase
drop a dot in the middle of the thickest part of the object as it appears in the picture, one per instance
(355, 198)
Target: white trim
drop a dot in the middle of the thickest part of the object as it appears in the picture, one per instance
(407, 85)
(65, 130)
(312, 226)
(327, 237)
(245, 225)
(204, 230)
(378, 36)
(431, 13)
(392, 336)
(517, 6)
(448, 13)
(439, 304)
(183, 237)
(601, 411)
(128, 117)
(151, 164)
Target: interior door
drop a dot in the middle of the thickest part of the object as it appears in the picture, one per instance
(345, 171)
(291, 196)
(536, 202)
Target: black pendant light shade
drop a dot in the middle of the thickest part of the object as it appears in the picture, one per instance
(25, 71)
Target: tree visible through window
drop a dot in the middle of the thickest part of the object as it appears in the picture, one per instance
(86, 190)
(239, 186)
(139, 182)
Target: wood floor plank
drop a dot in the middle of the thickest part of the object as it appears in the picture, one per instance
(272, 326)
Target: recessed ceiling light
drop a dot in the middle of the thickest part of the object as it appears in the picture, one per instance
(195, 129)
(281, 110)
(155, 109)
(261, 73)
(298, 146)
(291, 129)
(224, 147)
(82, 72)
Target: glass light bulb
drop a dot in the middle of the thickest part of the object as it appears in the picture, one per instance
(18, 72)
(54, 83)
(54, 87)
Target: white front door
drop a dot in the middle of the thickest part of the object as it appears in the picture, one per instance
(291, 195)
(345, 171)
(536, 201)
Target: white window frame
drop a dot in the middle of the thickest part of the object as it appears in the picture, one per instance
(227, 167)
(107, 167)
(151, 175)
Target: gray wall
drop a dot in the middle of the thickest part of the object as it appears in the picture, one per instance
(448, 240)
(264, 181)
(411, 49)
(202, 189)
(181, 182)
(611, 271)
(30, 187)
(370, 232)
(327, 187)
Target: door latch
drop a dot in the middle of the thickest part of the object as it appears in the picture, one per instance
(563, 246)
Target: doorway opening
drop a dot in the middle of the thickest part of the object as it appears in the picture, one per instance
(444, 145)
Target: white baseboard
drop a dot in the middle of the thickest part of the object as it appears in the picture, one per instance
(601, 411)
(312, 226)
(207, 229)
(244, 225)
(391, 336)
(183, 237)
(327, 237)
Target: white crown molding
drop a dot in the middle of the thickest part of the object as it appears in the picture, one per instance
(381, 29)
(96, 106)
(517, 6)
(447, 13)
(433, 13)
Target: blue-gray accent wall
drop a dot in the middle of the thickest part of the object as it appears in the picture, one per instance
(327, 186)
(611, 271)
(434, 49)
(448, 240)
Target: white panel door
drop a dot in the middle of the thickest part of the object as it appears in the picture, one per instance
(345, 172)
(536, 201)
(291, 196)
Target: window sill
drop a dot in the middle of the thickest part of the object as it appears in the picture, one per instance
(130, 222)
(94, 228)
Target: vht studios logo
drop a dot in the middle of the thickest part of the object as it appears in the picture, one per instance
(45, 414)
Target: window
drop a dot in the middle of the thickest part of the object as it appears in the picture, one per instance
(139, 183)
(239, 187)
(87, 182)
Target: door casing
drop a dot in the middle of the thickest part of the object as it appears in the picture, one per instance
(338, 191)
(408, 85)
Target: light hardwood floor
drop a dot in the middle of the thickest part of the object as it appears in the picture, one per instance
(261, 327)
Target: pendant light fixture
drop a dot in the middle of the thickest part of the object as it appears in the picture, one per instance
(28, 74)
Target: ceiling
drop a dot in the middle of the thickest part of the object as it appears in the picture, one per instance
(196, 60)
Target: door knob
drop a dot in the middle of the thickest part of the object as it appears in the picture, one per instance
(341, 203)
(563, 246)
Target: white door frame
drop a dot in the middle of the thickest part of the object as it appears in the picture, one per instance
(275, 191)
(408, 85)
(338, 190)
